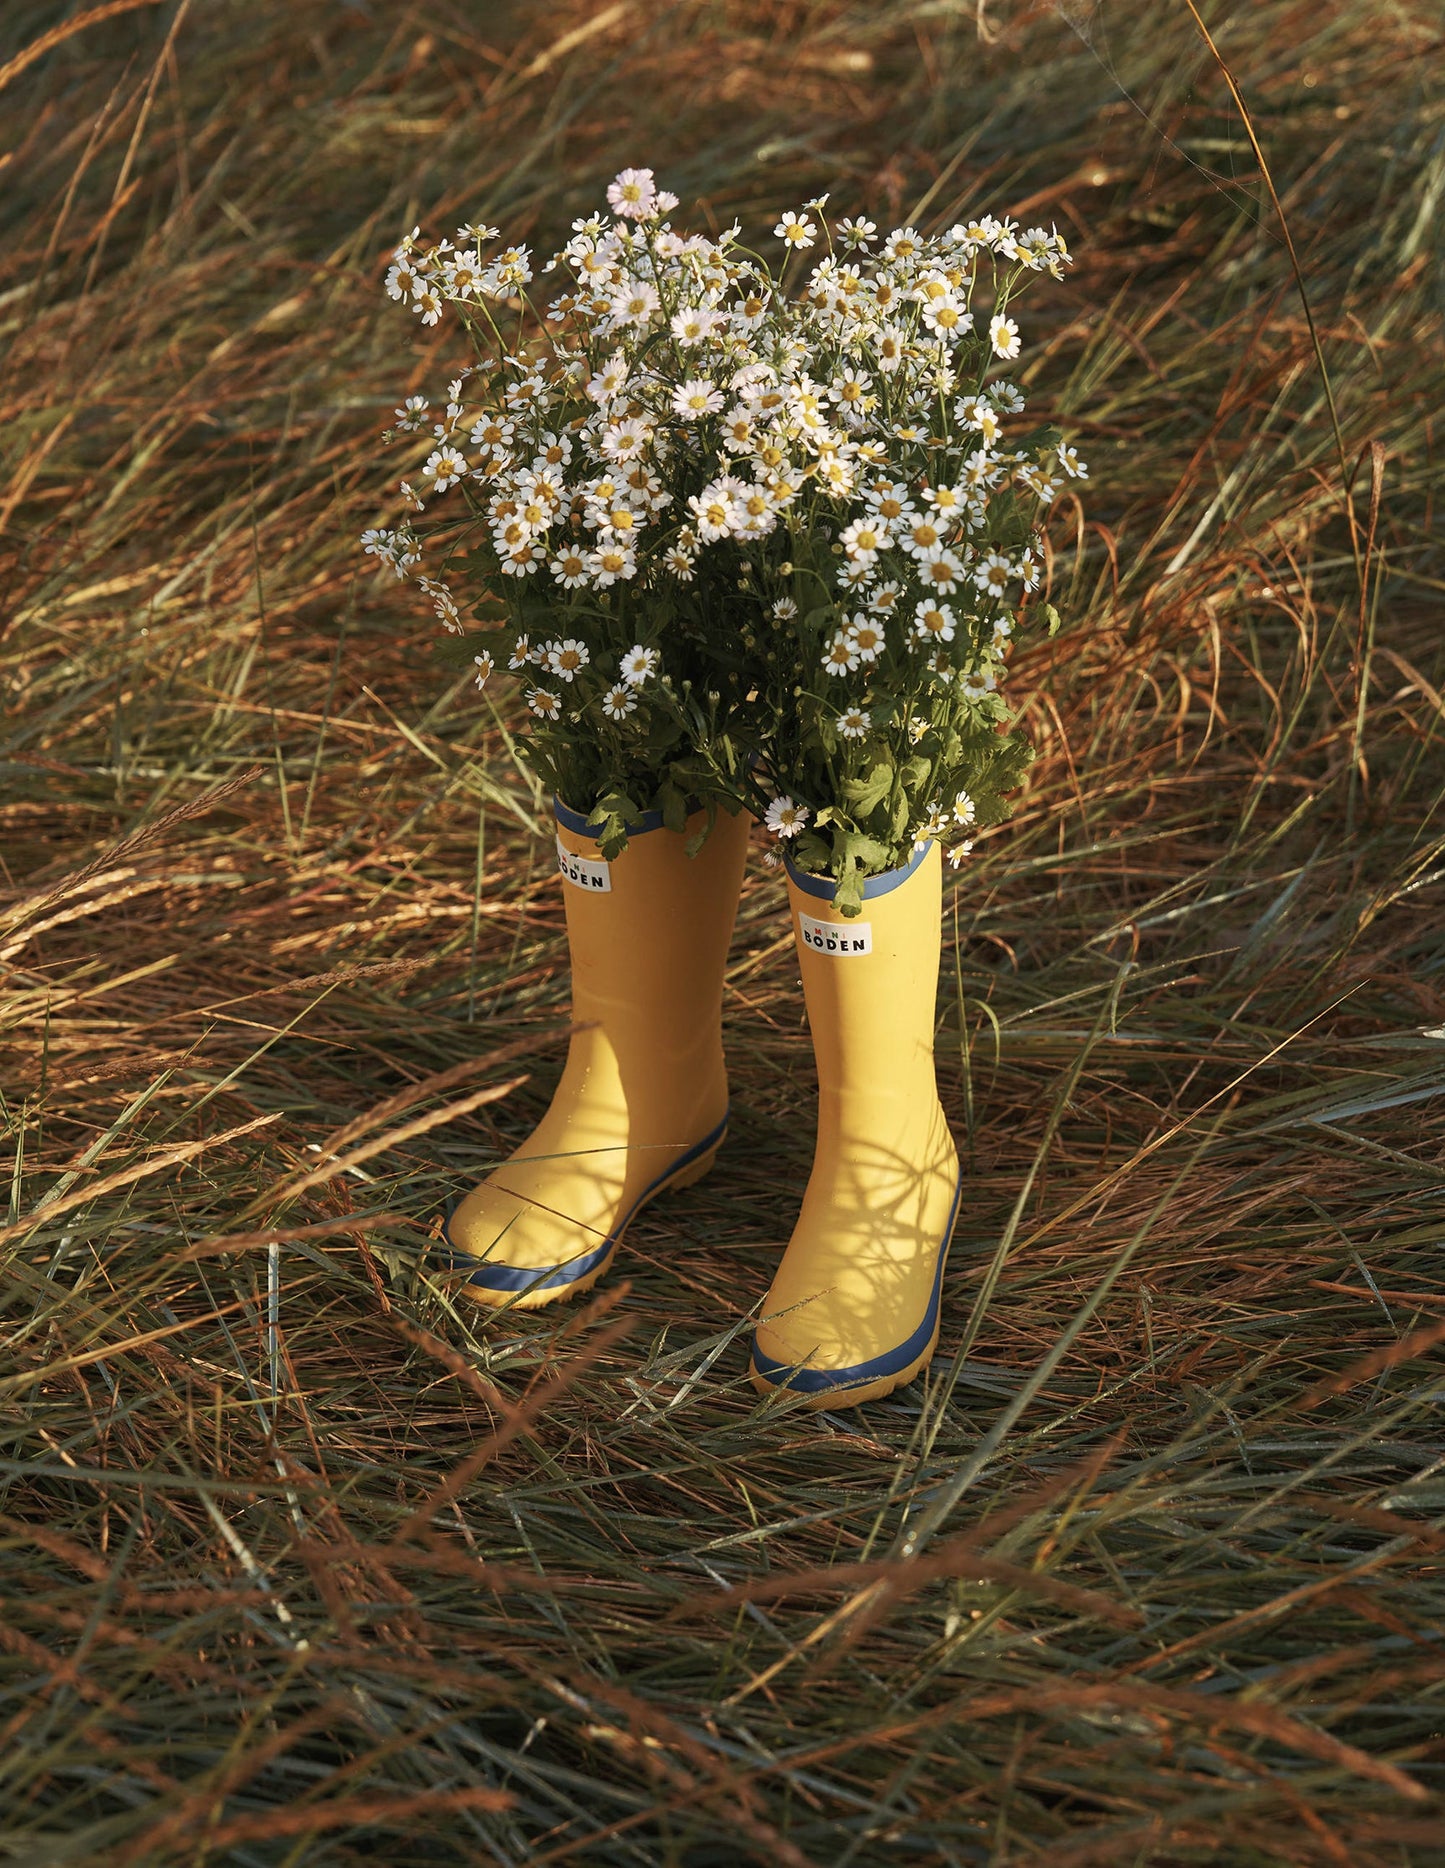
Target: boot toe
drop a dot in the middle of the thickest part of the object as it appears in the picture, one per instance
(512, 1248)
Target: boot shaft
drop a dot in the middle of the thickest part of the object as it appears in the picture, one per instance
(870, 984)
(648, 936)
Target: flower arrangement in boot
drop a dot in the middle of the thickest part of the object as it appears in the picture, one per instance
(887, 598)
(889, 584)
(567, 477)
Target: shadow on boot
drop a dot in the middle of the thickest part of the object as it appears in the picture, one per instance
(642, 1103)
(853, 1310)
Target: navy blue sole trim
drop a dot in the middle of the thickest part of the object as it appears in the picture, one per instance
(497, 1277)
(825, 888)
(818, 1381)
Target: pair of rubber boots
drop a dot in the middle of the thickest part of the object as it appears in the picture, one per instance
(643, 1106)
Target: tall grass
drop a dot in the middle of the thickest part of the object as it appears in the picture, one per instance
(302, 1562)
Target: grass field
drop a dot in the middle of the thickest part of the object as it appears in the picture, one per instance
(301, 1562)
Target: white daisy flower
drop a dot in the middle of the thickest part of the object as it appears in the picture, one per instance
(625, 440)
(526, 392)
(694, 323)
(890, 500)
(569, 568)
(608, 383)
(940, 571)
(485, 667)
(866, 636)
(850, 391)
(546, 706)
(619, 521)
(934, 622)
(891, 350)
(634, 304)
(959, 851)
(696, 398)
(1072, 465)
(411, 416)
(426, 301)
(1039, 483)
(1003, 336)
(796, 229)
(784, 610)
(946, 501)
(566, 659)
(492, 433)
(964, 810)
(523, 560)
(855, 722)
(993, 574)
(444, 603)
(902, 243)
(947, 319)
(864, 539)
(884, 599)
(738, 432)
(841, 656)
(786, 819)
(715, 512)
(618, 702)
(978, 682)
(445, 466)
(633, 196)
(921, 536)
(680, 563)
(611, 562)
(856, 233)
(639, 664)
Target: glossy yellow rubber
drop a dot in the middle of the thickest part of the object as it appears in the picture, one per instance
(642, 1103)
(853, 1310)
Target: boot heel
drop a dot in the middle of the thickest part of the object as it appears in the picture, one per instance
(695, 1170)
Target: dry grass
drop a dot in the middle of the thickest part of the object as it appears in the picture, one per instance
(301, 1564)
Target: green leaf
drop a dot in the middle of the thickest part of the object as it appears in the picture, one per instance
(865, 794)
(673, 806)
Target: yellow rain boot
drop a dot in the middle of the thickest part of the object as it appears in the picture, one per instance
(642, 1104)
(853, 1311)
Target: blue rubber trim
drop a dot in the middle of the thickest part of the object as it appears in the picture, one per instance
(497, 1277)
(576, 822)
(825, 888)
(817, 1381)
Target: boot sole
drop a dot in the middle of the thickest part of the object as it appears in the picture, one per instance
(856, 1395)
(822, 1388)
(684, 1173)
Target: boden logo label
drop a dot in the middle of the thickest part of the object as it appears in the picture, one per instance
(835, 937)
(584, 871)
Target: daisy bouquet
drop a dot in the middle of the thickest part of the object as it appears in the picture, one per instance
(562, 482)
(743, 537)
(899, 553)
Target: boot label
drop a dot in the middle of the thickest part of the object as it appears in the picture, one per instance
(838, 937)
(595, 877)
